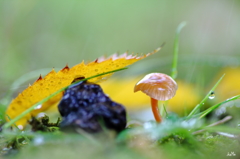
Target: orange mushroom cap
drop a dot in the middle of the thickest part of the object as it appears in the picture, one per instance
(158, 86)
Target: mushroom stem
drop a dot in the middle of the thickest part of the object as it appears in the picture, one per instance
(155, 110)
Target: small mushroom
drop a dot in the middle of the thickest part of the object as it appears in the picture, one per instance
(158, 86)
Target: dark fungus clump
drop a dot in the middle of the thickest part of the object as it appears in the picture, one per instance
(85, 106)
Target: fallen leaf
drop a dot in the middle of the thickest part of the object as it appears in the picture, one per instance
(54, 81)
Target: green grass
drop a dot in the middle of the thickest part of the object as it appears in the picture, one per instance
(176, 49)
(198, 107)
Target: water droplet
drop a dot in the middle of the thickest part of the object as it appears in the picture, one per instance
(38, 107)
(7, 148)
(38, 140)
(20, 127)
(149, 125)
(212, 95)
(40, 115)
(19, 102)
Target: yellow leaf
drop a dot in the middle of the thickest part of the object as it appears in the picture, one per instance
(54, 81)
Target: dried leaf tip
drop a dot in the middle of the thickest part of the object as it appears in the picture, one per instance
(96, 60)
(66, 68)
(40, 78)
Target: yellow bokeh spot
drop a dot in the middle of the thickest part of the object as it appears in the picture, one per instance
(230, 84)
(186, 98)
(121, 91)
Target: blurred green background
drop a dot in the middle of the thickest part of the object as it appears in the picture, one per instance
(37, 34)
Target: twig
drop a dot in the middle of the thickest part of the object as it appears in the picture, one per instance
(227, 118)
(228, 135)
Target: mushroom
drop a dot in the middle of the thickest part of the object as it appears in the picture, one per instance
(158, 86)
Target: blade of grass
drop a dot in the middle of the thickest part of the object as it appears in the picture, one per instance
(175, 50)
(206, 112)
(175, 56)
(227, 118)
(165, 110)
(197, 108)
(19, 130)
(11, 122)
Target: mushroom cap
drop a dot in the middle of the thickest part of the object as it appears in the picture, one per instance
(158, 86)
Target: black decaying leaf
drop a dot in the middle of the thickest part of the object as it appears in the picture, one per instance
(84, 105)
